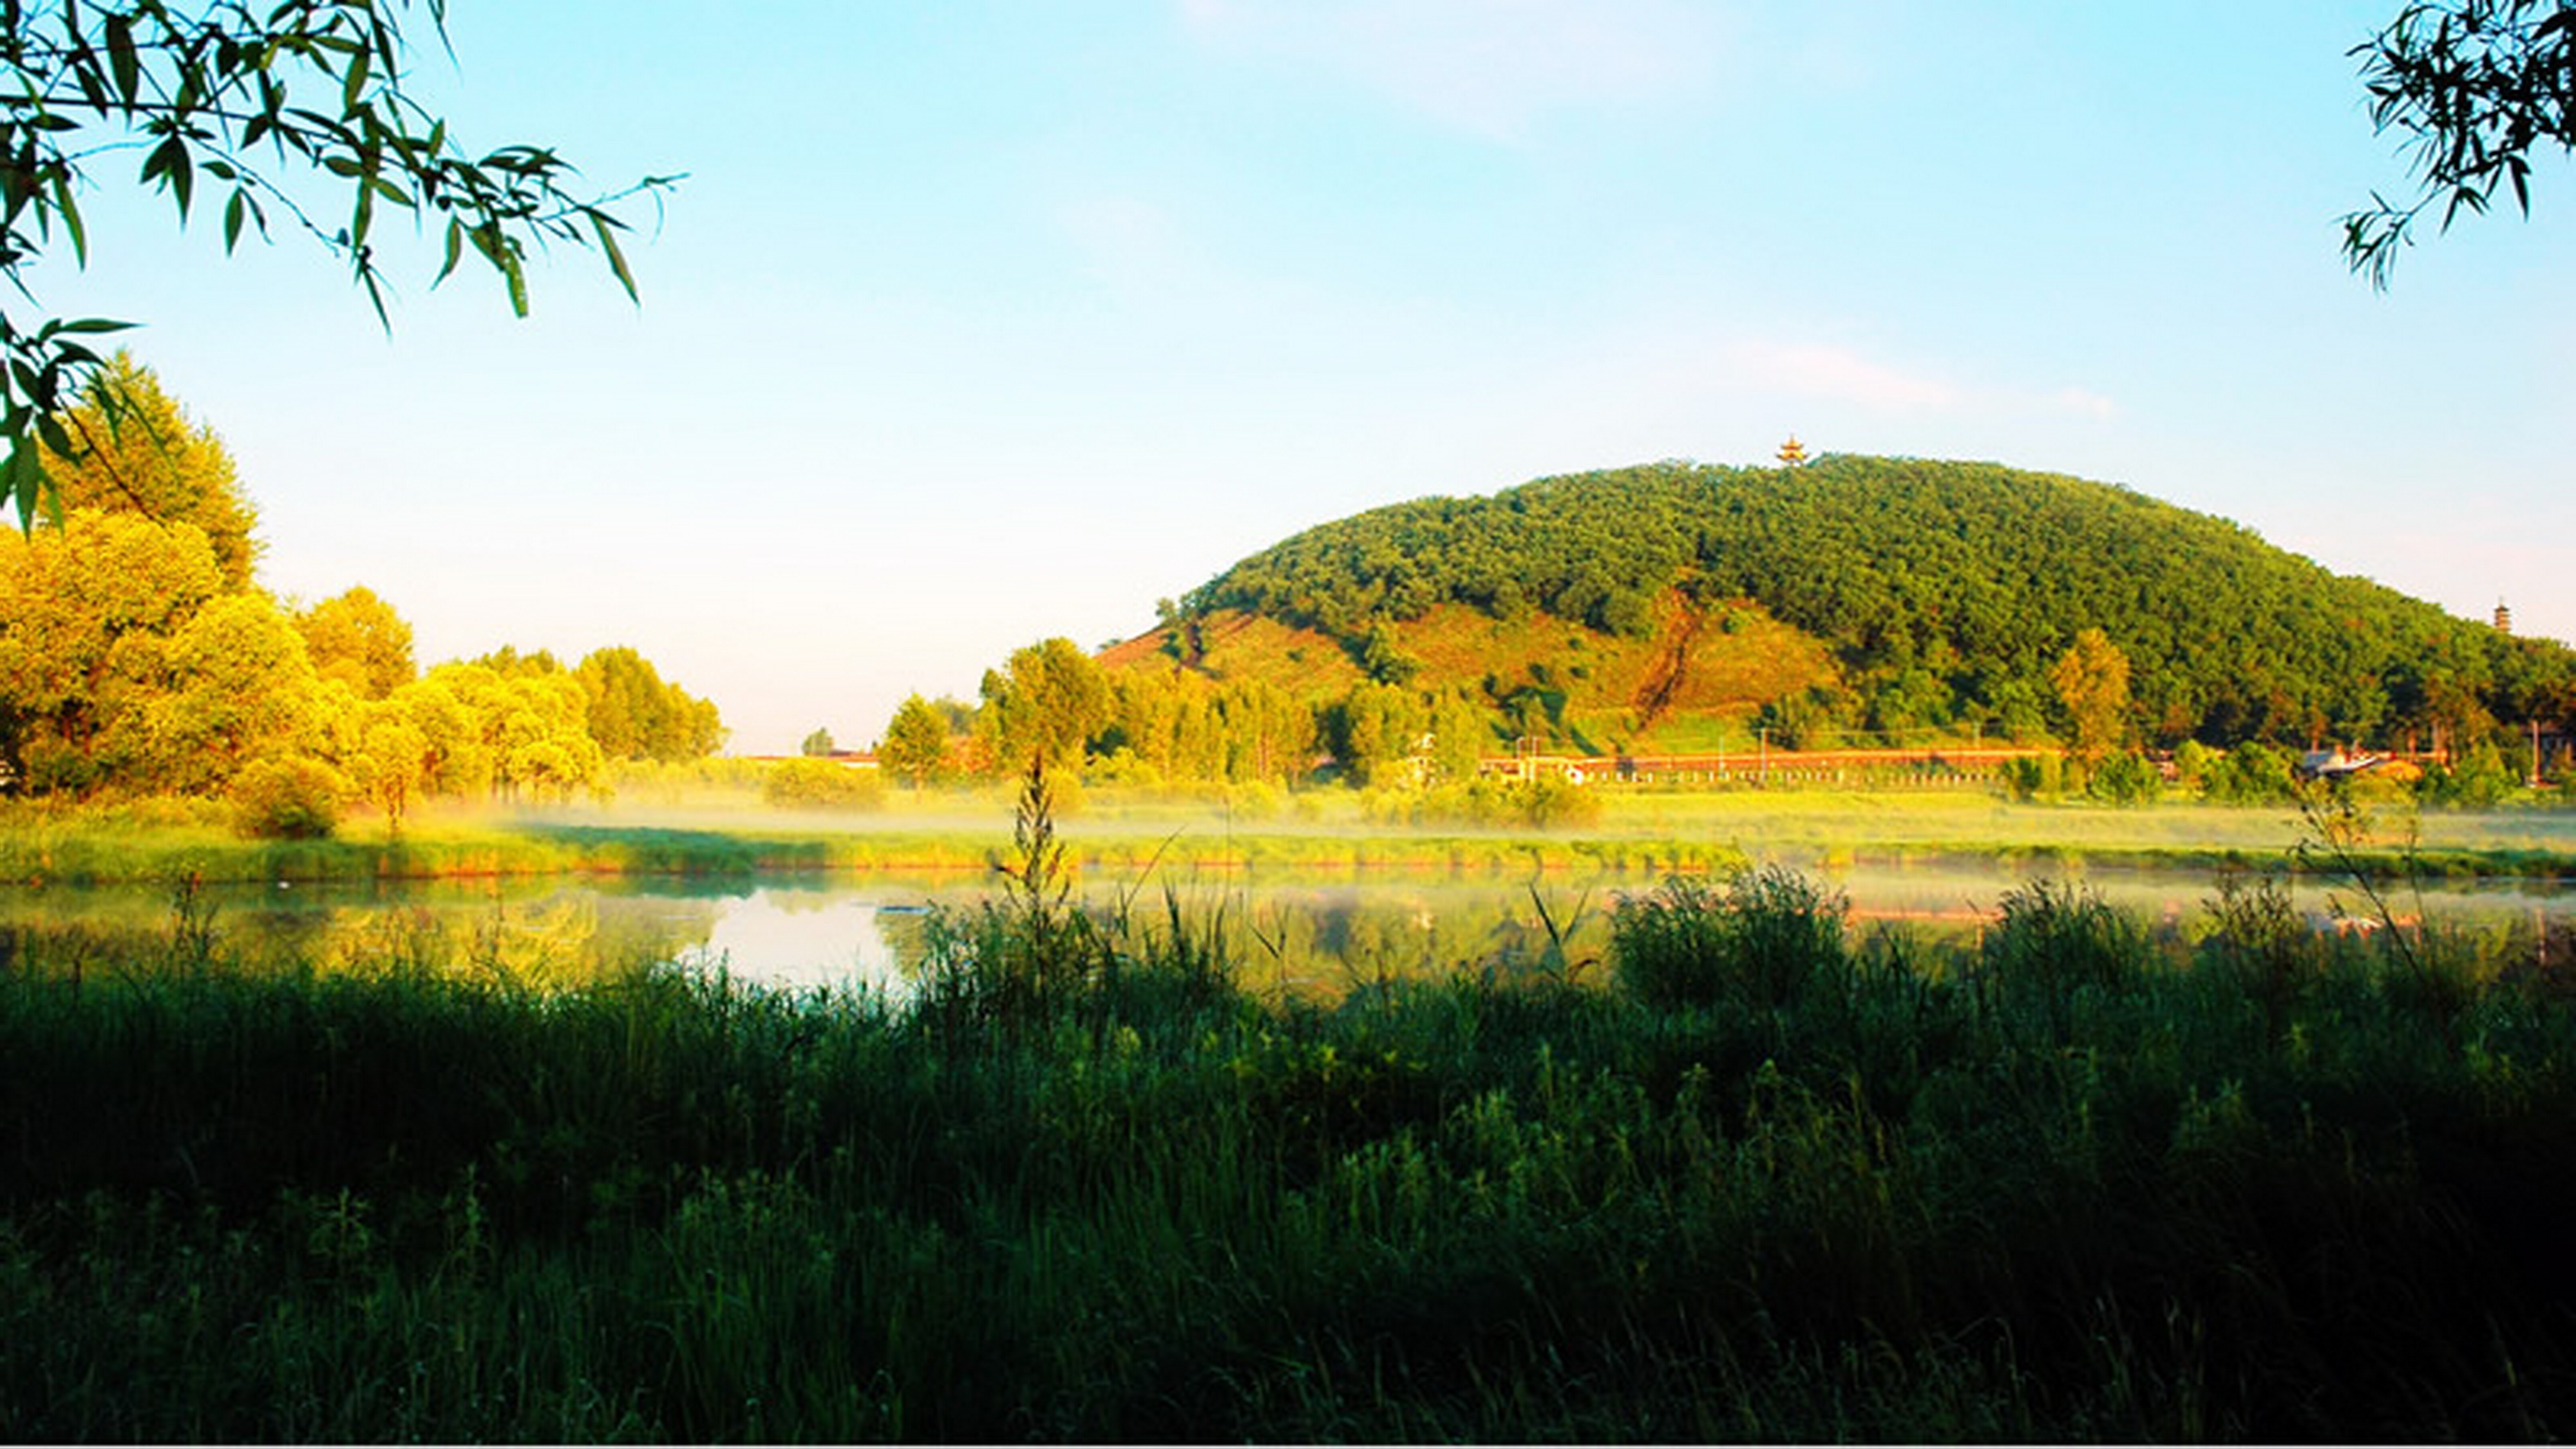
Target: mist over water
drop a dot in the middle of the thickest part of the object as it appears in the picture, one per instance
(1311, 935)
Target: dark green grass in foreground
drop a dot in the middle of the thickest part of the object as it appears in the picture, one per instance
(2077, 1183)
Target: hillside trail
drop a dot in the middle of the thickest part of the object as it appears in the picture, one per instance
(1663, 680)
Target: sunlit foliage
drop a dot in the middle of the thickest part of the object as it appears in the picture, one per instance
(357, 638)
(137, 451)
(637, 715)
(1946, 592)
(915, 748)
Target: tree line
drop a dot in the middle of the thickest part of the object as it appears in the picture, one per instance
(139, 656)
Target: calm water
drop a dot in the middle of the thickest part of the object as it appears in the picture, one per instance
(1315, 937)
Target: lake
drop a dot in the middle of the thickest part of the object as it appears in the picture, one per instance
(1314, 937)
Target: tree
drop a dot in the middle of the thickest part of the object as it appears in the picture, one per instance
(393, 761)
(86, 613)
(138, 452)
(1047, 702)
(817, 744)
(916, 742)
(522, 732)
(2092, 679)
(2475, 86)
(295, 109)
(637, 715)
(1375, 731)
(357, 638)
(237, 687)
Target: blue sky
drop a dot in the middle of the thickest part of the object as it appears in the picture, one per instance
(977, 323)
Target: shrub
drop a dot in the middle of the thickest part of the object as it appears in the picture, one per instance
(2031, 776)
(2125, 779)
(2477, 777)
(808, 784)
(2253, 773)
(292, 798)
(1548, 803)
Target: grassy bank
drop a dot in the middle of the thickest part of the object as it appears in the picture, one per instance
(1131, 833)
(1769, 1181)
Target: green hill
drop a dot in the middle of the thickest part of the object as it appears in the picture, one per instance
(1652, 607)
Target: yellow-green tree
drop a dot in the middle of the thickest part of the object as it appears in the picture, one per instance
(635, 714)
(2092, 680)
(1046, 704)
(357, 637)
(393, 762)
(916, 742)
(455, 761)
(1376, 732)
(237, 687)
(530, 730)
(136, 451)
(1268, 734)
(86, 611)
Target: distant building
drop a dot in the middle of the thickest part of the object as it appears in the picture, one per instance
(2334, 764)
(1792, 452)
(2503, 618)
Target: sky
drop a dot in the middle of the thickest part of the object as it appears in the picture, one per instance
(978, 323)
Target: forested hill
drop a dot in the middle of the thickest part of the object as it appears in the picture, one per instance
(1944, 591)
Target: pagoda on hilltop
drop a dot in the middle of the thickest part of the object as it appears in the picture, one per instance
(1792, 452)
(2503, 618)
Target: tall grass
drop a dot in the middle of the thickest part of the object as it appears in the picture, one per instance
(2085, 1179)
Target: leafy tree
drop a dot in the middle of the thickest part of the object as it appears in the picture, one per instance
(453, 760)
(296, 111)
(1047, 703)
(1461, 733)
(136, 450)
(236, 686)
(1376, 731)
(525, 733)
(394, 760)
(2092, 679)
(1266, 734)
(508, 660)
(86, 611)
(634, 714)
(916, 742)
(357, 638)
(816, 745)
(2476, 86)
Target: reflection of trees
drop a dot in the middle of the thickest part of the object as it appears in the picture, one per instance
(565, 939)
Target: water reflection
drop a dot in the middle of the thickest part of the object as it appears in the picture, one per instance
(1312, 938)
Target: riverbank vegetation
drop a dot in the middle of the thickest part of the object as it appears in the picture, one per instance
(1755, 1175)
(722, 820)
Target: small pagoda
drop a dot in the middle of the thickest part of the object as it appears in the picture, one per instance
(2503, 618)
(1792, 452)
